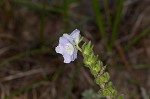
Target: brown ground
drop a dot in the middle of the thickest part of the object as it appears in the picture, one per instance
(29, 71)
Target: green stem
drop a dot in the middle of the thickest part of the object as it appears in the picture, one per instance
(78, 48)
(97, 69)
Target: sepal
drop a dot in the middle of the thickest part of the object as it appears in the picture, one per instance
(87, 48)
(102, 78)
(96, 68)
(108, 90)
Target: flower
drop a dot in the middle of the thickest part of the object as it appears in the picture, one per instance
(76, 36)
(67, 44)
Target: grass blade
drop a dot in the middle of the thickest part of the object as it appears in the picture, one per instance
(99, 19)
(116, 22)
(42, 25)
(29, 52)
(137, 38)
(65, 13)
(36, 6)
(106, 7)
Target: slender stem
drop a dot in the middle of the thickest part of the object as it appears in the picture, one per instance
(78, 48)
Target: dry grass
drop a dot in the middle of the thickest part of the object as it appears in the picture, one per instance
(29, 72)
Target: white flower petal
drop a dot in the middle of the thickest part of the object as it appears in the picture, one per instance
(68, 37)
(67, 58)
(59, 49)
(75, 35)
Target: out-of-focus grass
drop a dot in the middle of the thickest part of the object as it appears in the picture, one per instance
(137, 38)
(99, 19)
(65, 13)
(141, 66)
(23, 89)
(107, 11)
(64, 10)
(43, 8)
(26, 53)
(36, 82)
(70, 83)
(5, 5)
(60, 9)
(36, 6)
(42, 25)
(115, 23)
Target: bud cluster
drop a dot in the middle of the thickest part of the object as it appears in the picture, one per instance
(98, 71)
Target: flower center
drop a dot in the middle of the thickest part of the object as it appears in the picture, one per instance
(69, 48)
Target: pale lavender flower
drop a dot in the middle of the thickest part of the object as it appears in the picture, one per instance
(76, 36)
(67, 44)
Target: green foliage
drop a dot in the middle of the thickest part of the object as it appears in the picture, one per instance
(96, 68)
(120, 97)
(86, 48)
(109, 91)
(98, 71)
(90, 94)
(102, 79)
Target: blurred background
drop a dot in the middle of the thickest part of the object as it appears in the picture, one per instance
(30, 30)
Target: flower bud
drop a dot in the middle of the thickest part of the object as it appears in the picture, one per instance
(96, 68)
(86, 48)
(102, 78)
(108, 91)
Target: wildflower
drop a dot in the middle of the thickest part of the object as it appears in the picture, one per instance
(76, 36)
(67, 45)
